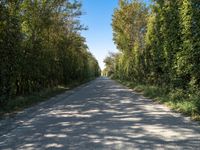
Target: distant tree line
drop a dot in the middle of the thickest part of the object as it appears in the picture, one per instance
(159, 45)
(41, 46)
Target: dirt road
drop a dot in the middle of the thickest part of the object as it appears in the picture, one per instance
(99, 115)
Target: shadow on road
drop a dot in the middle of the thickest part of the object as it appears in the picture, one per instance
(104, 115)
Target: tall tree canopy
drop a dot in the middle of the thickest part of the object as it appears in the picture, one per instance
(159, 44)
(41, 46)
(129, 28)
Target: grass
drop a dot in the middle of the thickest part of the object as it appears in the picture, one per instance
(178, 100)
(21, 102)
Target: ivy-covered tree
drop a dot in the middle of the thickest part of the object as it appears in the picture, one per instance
(188, 59)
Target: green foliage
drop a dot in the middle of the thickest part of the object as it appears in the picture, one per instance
(41, 47)
(23, 101)
(159, 49)
(188, 65)
(178, 95)
(179, 100)
(129, 27)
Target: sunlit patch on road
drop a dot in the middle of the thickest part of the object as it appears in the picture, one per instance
(109, 117)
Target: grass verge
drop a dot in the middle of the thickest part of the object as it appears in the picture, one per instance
(178, 100)
(21, 102)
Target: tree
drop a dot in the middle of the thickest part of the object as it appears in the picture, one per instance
(129, 27)
(10, 37)
(188, 58)
(41, 47)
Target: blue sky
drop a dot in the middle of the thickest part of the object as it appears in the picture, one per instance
(98, 17)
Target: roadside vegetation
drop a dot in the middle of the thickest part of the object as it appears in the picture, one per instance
(21, 102)
(159, 51)
(41, 48)
(177, 100)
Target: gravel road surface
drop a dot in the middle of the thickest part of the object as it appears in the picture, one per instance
(101, 114)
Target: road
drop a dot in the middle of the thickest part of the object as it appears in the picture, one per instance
(99, 115)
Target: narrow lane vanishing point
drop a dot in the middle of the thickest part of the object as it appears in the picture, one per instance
(100, 115)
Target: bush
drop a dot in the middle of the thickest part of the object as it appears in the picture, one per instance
(178, 95)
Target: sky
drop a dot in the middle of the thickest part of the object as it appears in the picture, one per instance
(98, 18)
